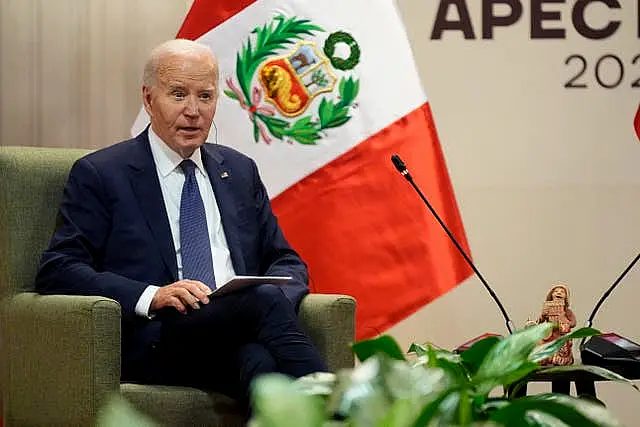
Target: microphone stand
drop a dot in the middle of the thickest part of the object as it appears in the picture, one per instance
(589, 321)
(611, 288)
(597, 351)
(402, 168)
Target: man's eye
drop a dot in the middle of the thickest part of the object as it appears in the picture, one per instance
(205, 96)
(178, 95)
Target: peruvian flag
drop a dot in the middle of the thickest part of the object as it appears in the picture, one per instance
(321, 94)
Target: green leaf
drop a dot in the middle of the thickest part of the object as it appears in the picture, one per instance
(539, 419)
(303, 124)
(244, 76)
(277, 127)
(256, 131)
(430, 411)
(474, 355)
(332, 115)
(509, 358)
(384, 344)
(456, 371)
(340, 112)
(338, 121)
(117, 412)
(360, 395)
(317, 384)
(449, 409)
(367, 394)
(401, 413)
(418, 349)
(348, 89)
(596, 370)
(490, 406)
(449, 362)
(231, 94)
(325, 112)
(571, 411)
(240, 74)
(304, 130)
(433, 357)
(277, 402)
(448, 355)
(516, 375)
(305, 138)
(341, 85)
(551, 348)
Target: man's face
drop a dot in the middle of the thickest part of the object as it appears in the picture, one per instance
(182, 102)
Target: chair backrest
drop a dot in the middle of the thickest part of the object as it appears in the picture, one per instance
(31, 186)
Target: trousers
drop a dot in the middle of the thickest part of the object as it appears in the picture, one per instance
(226, 344)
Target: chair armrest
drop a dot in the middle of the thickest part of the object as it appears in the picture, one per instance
(61, 358)
(330, 322)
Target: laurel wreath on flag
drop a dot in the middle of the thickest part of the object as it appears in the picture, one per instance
(270, 38)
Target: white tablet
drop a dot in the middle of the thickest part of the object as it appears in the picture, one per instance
(241, 282)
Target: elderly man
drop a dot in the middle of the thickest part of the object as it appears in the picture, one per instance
(159, 221)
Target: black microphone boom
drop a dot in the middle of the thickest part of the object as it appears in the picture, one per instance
(611, 288)
(604, 296)
(402, 168)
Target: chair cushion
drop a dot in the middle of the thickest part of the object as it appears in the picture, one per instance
(183, 406)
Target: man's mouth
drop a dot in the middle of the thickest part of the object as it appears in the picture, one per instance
(188, 129)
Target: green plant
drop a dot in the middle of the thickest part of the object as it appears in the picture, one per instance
(433, 387)
(118, 412)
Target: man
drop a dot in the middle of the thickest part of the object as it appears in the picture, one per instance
(158, 221)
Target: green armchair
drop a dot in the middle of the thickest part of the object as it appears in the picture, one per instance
(60, 354)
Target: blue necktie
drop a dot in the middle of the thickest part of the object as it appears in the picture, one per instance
(195, 247)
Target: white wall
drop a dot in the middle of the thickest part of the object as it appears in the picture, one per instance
(547, 178)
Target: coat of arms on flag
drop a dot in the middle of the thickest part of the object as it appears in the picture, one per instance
(279, 74)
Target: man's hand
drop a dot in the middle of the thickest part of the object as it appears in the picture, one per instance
(180, 295)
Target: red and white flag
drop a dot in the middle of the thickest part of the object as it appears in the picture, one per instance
(321, 94)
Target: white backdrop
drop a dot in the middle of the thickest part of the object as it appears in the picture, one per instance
(547, 177)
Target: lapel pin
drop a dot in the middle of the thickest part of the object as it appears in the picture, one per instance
(224, 174)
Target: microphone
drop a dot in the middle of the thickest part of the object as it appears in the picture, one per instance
(402, 168)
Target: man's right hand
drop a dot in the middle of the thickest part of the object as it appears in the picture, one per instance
(180, 295)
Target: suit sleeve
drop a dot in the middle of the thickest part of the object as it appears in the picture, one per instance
(278, 258)
(71, 263)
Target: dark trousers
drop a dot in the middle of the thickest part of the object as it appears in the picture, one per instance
(227, 343)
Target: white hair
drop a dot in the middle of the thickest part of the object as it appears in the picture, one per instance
(170, 48)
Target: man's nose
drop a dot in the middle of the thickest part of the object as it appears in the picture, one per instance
(191, 108)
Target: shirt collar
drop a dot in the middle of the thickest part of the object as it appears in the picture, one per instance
(168, 160)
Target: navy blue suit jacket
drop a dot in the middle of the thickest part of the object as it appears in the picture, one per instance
(113, 239)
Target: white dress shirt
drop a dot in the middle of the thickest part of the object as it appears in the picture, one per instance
(171, 179)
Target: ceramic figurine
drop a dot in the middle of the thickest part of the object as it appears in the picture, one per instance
(556, 309)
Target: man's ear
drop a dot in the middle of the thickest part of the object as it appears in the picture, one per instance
(147, 98)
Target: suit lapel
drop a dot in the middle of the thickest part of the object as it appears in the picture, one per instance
(223, 184)
(146, 186)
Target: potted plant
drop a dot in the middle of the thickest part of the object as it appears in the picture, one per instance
(434, 387)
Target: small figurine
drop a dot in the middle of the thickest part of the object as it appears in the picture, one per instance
(556, 309)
